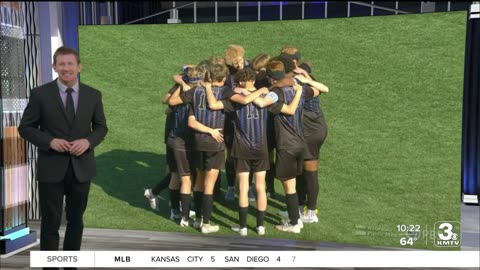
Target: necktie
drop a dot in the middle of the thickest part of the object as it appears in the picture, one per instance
(69, 108)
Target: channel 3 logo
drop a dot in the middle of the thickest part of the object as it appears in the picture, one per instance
(447, 234)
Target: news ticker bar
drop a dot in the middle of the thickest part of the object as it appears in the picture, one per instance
(232, 259)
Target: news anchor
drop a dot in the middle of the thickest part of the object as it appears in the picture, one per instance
(65, 120)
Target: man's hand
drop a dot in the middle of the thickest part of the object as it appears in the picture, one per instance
(216, 134)
(185, 87)
(303, 72)
(300, 71)
(302, 78)
(78, 147)
(60, 145)
(239, 90)
(207, 84)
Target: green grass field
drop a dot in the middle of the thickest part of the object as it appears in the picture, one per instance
(392, 155)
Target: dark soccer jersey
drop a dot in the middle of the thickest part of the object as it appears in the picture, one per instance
(313, 124)
(261, 80)
(313, 118)
(210, 118)
(168, 124)
(311, 104)
(168, 120)
(179, 136)
(288, 128)
(250, 137)
(228, 127)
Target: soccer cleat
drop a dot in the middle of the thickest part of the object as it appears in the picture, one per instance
(175, 214)
(289, 228)
(299, 222)
(300, 216)
(151, 198)
(209, 228)
(251, 195)
(309, 217)
(230, 194)
(305, 209)
(184, 222)
(198, 223)
(261, 230)
(241, 231)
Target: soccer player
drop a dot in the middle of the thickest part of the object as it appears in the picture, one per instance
(235, 59)
(289, 139)
(249, 149)
(152, 193)
(180, 144)
(177, 78)
(315, 132)
(259, 64)
(209, 147)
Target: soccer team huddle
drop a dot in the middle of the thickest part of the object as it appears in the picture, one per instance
(252, 110)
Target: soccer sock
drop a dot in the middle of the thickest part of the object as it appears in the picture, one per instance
(230, 172)
(311, 179)
(197, 199)
(207, 208)
(260, 218)
(185, 198)
(292, 207)
(174, 198)
(163, 184)
(242, 215)
(301, 189)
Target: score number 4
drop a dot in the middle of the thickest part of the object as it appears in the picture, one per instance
(293, 258)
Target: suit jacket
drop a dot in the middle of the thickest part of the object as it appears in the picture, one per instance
(45, 119)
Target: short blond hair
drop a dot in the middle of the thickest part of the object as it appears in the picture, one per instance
(276, 65)
(233, 52)
(217, 60)
(218, 72)
(289, 50)
(260, 61)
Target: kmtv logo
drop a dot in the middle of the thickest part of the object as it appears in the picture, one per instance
(447, 234)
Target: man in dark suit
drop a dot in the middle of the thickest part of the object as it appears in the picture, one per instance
(65, 120)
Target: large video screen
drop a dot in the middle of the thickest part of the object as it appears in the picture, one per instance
(389, 170)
